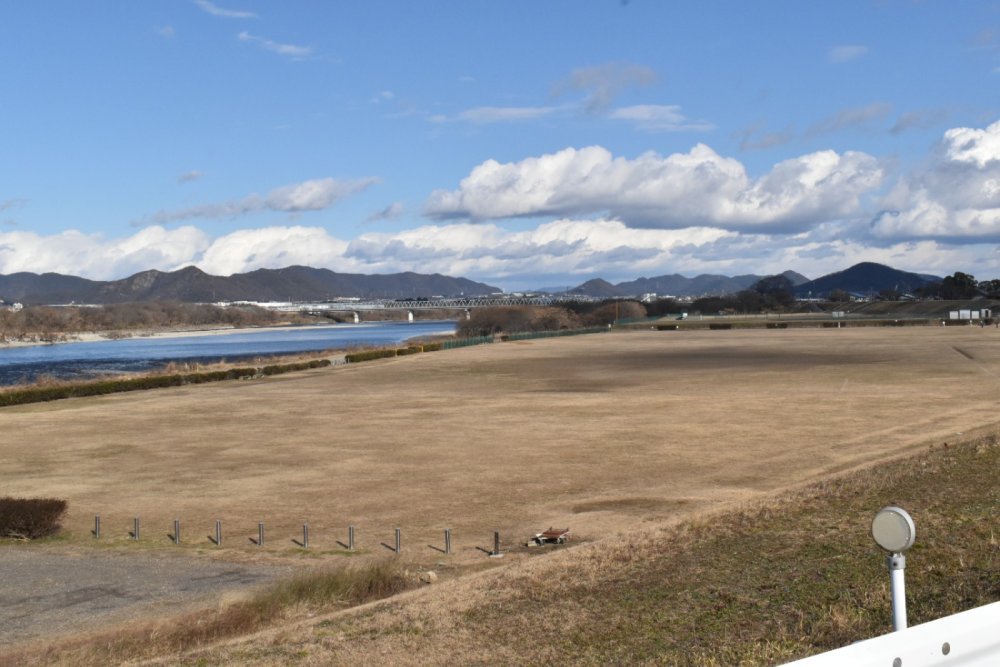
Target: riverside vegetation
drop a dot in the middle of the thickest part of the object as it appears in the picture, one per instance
(50, 324)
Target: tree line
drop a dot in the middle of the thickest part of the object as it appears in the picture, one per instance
(51, 323)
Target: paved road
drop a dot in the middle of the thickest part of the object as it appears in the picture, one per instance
(45, 594)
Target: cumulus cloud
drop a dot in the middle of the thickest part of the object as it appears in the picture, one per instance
(659, 117)
(846, 53)
(93, 256)
(215, 10)
(956, 197)
(290, 50)
(272, 248)
(603, 83)
(564, 251)
(313, 195)
(698, 188)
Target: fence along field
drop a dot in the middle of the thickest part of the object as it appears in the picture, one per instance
(597, 433)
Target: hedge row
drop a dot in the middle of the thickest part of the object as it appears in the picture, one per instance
(28, 518)
(278, 369)
(368, 355)
(42, 394)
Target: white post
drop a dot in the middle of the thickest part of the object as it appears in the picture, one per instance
(897, 589)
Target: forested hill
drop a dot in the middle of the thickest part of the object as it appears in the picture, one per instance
(190, 284)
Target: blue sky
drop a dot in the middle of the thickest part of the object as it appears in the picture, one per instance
(523, 144)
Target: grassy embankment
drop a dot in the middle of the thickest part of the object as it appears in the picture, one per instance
(777, 580)
(172, 376)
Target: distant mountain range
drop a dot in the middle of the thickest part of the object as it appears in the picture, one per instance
(677, 285)
(301, 283)
(865, 277)
(294, 283)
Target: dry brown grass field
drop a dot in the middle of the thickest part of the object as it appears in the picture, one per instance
(605, 434)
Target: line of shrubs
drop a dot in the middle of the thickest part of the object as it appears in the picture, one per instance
(102, 387)
(30, 518)
(369, 355)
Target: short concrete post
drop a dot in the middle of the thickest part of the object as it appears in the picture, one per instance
(218, 533)
(135, 528)
(305, 536)
(177, 531)
(97, 526)
(496, 542)
(447, 540)
(350, 538)
(260, 534)
(399, 546)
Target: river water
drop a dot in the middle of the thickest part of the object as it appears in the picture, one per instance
(91, 359)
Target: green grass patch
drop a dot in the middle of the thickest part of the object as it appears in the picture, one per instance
(775, 583)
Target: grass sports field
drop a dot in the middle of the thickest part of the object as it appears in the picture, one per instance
(605, 434)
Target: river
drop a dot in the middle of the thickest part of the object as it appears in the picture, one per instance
(129, 355)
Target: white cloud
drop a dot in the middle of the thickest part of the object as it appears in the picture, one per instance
(563, 251)
(166, 31)
(313, 195)
(846, 53)
(92, 256)
(957, 196)
(658, 117)
(189, 176)
(215, 10)
(698, 188)
(272, 248)
(290, 50)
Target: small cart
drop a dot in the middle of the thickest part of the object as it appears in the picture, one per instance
(550, 536)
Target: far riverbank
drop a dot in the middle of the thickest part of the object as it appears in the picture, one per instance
(96, 355)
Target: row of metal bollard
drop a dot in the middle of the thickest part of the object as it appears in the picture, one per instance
(397, 546)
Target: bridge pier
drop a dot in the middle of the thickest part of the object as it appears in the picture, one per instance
(356, 318)
(409, 316)
(468, 314)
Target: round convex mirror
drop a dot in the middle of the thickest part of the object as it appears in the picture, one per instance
(893, 529)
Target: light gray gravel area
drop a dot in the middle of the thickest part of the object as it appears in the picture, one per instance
(45, 594)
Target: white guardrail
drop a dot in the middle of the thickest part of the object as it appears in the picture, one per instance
(967, 639)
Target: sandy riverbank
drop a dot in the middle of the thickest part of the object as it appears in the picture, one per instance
(94, 337)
